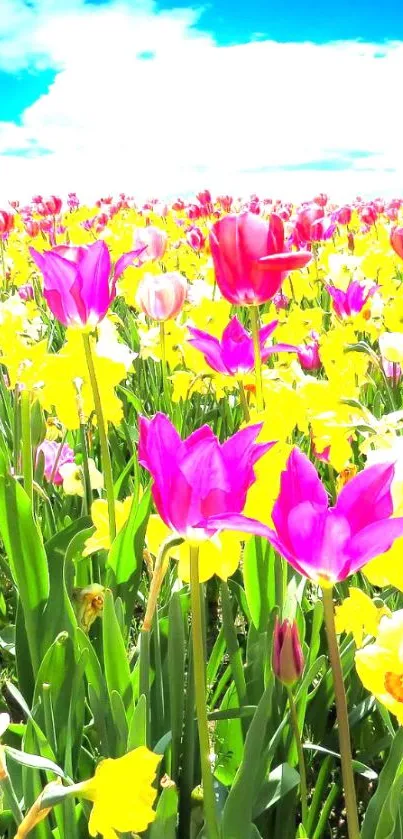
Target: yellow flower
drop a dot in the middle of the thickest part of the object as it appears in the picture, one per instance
(122, 794)
(380, 665)
(69, 366)
(387, 569)
(359, 615)
(73, 479)
(100, 541)
(220, 555)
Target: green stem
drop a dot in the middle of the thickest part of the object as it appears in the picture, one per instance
(27, 460)
(243, 400)
(254, 318)
(342, 716)
(10, 798)
(103, 439)
(144, 676)
(3, 265)
(301, 759)
(165, 386)
(200, 695)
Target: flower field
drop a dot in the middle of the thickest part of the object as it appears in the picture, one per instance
(201, 519)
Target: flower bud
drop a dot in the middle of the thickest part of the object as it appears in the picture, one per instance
(288, 659)
(162, 296)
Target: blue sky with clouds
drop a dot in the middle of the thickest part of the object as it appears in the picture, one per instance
(162, 98)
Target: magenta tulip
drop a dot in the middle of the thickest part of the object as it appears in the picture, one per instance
(352, 301)
(250, 258)
(233, 354)
(329, 544)
(199, 478)
(79, 282)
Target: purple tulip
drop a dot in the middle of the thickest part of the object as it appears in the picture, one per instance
(233, 354)
(79, 282)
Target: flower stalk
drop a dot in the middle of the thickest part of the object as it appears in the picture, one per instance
(342, 716)
(254, 316)
(300, 753)
(103, 438)
(27, 459)
(200, 694)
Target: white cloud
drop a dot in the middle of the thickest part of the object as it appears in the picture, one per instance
(194, 114)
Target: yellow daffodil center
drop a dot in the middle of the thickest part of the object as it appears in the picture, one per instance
(394, 685)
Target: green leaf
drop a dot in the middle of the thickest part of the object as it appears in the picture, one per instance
(34, 761)
(238, 811)
(164, 826)
(59, 614)
(117, 671)
(279, 783)
(383, 807)
(125, 559)
(27, 558)
(258, 558)
(138, 725)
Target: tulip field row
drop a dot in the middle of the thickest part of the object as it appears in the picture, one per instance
(201, 519)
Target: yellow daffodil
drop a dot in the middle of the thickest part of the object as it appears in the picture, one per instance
(122, 794)
(380, 665)
(359, 615)
(73, 477)
(100, 540)
(220, 555)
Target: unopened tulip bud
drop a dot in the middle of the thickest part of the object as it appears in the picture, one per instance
(288, 659)
(162, 296)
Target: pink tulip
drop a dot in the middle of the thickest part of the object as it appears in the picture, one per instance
(321, 199)
(26, 291)
(6, 223)
(162, 296)
(199, 478)
(225, 202)
(79, 282)
(195, 239)
(322, 229)
(250, 259)
(32, 227)
(233, 354)
(343, 215)
(54, 457)
(392, 370)
(153, 240)
(396, 240)
(288, 658)
(329, 544)
(306, 217)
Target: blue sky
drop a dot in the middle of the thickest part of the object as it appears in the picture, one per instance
(170, 97)
(235, 21)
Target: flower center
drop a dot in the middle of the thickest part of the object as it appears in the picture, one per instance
(394, 685)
